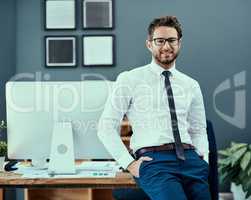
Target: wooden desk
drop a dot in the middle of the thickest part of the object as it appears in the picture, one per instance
(73, 189)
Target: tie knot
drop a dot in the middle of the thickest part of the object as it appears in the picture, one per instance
(166, 74)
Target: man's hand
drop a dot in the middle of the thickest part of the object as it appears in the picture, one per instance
(133, 168)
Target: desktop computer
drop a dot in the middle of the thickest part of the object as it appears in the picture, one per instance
(33, 109)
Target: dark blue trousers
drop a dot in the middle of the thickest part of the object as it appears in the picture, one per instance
(168, 178)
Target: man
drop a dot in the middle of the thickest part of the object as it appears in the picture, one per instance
(165, 108)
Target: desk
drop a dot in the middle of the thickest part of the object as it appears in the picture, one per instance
(73, 189)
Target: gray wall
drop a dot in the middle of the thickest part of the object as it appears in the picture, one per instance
(7, 58)
(7, 50)
(216, 46)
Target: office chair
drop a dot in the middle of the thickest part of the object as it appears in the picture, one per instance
(139, 194)
(213, 162)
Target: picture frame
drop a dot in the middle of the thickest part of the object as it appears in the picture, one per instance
(98, 14)
(60, 51)
(60, 14)
(98, 50)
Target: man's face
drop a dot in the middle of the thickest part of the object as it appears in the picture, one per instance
(164, 51)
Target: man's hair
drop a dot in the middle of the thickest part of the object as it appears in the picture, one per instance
(170, 21)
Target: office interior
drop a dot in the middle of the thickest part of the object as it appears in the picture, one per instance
(215, 51)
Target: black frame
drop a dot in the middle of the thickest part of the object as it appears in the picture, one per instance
(61, 65)
(98, 27)
(45, 14)
(113, 51)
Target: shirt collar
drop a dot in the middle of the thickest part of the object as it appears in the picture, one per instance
(158, 69)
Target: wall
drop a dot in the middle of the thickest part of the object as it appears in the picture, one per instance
(216, 47)
(7, 58)
(7, 50)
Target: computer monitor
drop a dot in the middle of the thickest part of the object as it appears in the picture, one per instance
(33, 108)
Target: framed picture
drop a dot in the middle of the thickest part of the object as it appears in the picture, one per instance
(60, 14)
(60, 51)
(98, 50)
(97, 14)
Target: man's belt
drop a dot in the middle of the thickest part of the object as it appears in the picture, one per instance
(164, 147)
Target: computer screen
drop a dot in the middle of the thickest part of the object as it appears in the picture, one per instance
(34, 107)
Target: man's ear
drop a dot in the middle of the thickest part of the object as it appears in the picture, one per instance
(149, 45)
(180, 41)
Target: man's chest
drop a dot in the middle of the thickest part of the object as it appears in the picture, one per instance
(152, 96)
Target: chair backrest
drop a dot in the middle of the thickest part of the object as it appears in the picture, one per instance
(213, 162)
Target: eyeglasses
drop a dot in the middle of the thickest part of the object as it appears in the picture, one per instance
(162, 41)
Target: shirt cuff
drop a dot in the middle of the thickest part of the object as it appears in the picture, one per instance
(125, 160)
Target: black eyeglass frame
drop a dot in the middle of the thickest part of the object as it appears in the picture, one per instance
(170, 41)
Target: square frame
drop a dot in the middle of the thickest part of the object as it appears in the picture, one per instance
(97, 14)
(98, 50)
(60, 14)
(60, 51)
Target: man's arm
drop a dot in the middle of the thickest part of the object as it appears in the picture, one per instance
(109, 124)
(197, 123)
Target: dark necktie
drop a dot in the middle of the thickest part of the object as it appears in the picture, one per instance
(176, 134)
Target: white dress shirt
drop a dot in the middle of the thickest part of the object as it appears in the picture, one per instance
(141, 95)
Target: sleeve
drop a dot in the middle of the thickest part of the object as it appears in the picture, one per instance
(197, 123)
(116, 106)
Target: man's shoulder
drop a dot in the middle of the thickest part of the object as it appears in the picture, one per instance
(136, 72)
(188, 79)
(139, 70)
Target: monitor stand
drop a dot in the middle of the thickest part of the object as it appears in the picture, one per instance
(62, 150)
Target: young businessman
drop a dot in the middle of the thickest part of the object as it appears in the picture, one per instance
(165, 108)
